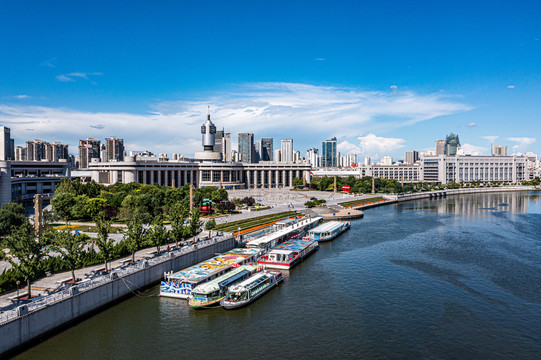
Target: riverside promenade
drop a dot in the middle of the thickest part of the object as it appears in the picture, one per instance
(60, 304)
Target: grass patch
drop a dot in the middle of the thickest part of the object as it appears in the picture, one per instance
(256, 221)
(361, 201)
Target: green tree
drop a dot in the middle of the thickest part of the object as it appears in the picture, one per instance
(297, 182)
(11, 215)
(71, 247)
(178, 213)
(66, 186)
(134, 235)
(63, 205)
(157, 234)
(195, 223)
(104, 244)
(209, 225)
(26, 248)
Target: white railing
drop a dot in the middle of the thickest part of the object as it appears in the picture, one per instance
(102, 279)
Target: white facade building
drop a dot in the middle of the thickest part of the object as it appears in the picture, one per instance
(287, 150)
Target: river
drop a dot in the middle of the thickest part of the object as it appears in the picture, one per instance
(458, 277)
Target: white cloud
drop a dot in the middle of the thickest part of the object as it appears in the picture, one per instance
(394, 87)
(471, 124)
(266, 109)
(320, 59)
(49, 63)
(345, 147)
(470, 149)
(522, 142)
(491, 138)
(376, 146)
(71, 77)
(22, 96)
(511, 86)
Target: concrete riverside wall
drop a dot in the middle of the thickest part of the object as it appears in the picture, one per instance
(30, 326)
(442, 193)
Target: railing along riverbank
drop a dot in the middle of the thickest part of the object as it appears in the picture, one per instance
(444, 193)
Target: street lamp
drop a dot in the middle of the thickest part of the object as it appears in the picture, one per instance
(18, 283)
(238, 233)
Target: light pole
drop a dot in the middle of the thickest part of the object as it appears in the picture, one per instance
(18, 283)
(238, 233)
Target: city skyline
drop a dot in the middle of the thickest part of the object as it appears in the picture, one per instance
(377, 81)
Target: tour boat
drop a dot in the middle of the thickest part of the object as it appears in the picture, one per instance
(181, 283)
(328, 230)
(250, 289)
(288, 254)
(210, 293)
(287, 230)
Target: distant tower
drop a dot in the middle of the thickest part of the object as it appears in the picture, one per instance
(208, 135)
(452, 144)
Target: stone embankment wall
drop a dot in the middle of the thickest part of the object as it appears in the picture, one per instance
(36, 323)
(442, 193)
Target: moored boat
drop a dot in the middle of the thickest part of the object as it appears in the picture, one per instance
(288, 254)
(210, 294)
(251, 289)
(328, 230)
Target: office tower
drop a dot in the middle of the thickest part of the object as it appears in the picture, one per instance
(257, 151)
(20, 153)
(338, 159)
(114, 149)
(88, 149)
(218, 142)
(411, 157)
(7, 150)
(287, 150)
(246, 147)
(499, 150)
(278, 155)
(452, 144)
(267, 149)
(226, 148)
(234, 156)
(348, 160)
(312, 155)
(328, 153)
(296, 156)
(440, 147)
(367, 160)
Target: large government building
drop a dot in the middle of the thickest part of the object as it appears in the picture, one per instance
(206, 169)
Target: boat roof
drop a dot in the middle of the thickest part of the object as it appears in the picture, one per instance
(285, 222)
(224, 280)
(292, 245)
(328, 227)
(279, 233)
(245, 284)
(213, 265)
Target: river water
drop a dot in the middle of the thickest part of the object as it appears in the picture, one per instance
(457, 277)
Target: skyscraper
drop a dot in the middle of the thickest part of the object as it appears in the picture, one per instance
(88, 149)
(7, 145)
(312, 155)
(328, 153)
(440, 147)
(226, 148)
(114, 149)
(266, 149)
(246, 147)
(278, 155)
(218, 141)
(499, 150)
(20, 153)
(411, 157)
(452, 143)
(287, 150)
(257, 151)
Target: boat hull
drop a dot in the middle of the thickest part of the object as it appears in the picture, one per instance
(198, 305)
(287, 266)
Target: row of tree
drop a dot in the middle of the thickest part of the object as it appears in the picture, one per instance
(26, 252)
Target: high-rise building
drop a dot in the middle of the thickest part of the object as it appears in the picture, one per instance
(7, 144)
(20, 153)
(367, 160)
(499, 150)
(35, 150)
(114, 149)
(348, 160)
(266, 149)
(257, 151)
(88, 149)
(278, 155)
(386, 160)
(226, 148)
(296, 156)
(440, 147)
(452, 144)
(287, 150)
(312, 155)
(246, 147)
(328, 153)
(411, 157)
(218, 142)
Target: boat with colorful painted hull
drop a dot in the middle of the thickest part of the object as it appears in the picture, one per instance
(209, 294)
(251, 289)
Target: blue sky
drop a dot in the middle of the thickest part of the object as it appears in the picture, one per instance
(383, 77)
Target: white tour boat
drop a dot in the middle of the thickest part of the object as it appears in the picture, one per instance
(251, 289)
(329, 230)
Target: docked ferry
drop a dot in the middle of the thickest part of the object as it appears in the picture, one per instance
(288, 254)
(210, 294)
(286, 231)
(181, 283)
(328, 230)
(250, 289)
